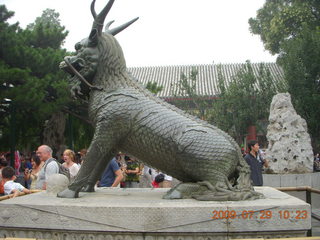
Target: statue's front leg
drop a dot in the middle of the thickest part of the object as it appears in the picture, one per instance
(97, 173)
(100, 147)
(94, 154)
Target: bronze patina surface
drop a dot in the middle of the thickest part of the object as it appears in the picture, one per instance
(129, 118)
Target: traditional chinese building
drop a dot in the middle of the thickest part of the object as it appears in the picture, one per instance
(206, 83)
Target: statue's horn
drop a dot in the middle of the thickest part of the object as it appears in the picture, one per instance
(118, 29)
(108, 25)
(99, 19)
(93, 12)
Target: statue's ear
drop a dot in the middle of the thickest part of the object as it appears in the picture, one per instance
(93, 38)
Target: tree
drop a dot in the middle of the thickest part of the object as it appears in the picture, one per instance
(187, 97)
(46, 31)
(280, 20)
(40, 99)
(153, 87)
(291, 29)
(301, 63)
(244, 102)
(39, 87)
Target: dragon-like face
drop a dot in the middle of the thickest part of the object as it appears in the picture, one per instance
(85, 60)
(82, 66)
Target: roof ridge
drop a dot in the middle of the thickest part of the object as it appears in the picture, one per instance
(168, 75)
(204, 64)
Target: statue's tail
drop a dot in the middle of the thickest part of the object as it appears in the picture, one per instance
(243, 182)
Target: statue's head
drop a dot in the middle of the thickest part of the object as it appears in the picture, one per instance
(100, 52)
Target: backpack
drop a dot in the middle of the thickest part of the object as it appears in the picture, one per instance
(159, 178)
(62, 169)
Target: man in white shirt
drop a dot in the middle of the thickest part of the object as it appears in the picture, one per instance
(49, 168)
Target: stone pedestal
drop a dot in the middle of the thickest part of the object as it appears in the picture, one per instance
(138, 214)
(292, 180)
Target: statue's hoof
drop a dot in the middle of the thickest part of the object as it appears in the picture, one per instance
(174, 194)
(88, 188)
(182, 190)
(67, 193)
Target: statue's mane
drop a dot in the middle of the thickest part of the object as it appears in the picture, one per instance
(111, 56)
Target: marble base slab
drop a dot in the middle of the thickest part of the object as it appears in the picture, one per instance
(136, 214)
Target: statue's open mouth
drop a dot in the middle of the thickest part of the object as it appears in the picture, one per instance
(77, 65)
(67, 66)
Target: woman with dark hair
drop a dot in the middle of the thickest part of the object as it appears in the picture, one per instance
(32, 174)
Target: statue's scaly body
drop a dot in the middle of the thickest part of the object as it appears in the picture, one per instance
(129, 118)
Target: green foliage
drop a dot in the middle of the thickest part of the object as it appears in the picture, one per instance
(79, 133)
(46, 31)
(244, 102)
(153, 87)
(291, 28)
(186, 95)
(186, 86)
(301, 63)
(280, 20)
(29, 61)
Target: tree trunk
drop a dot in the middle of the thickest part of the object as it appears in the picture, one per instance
(53, 134)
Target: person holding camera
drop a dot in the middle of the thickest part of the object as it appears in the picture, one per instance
(31, 175)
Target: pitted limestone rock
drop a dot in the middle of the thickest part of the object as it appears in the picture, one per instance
(130, 119)
(289, 149)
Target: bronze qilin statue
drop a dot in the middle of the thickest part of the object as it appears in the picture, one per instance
(129, 118)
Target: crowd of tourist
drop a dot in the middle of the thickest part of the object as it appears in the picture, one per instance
(126, 172)
(31, 171)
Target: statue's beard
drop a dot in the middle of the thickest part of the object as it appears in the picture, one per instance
(77, 75)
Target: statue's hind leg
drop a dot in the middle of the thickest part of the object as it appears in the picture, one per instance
(223, 191)
(210, 191)
(183, 190)
(189, 189)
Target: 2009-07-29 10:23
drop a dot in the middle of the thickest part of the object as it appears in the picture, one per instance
(260, 214)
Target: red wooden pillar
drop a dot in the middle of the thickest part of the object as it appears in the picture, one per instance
(252, 133)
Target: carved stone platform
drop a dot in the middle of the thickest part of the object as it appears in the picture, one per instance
(142, 214)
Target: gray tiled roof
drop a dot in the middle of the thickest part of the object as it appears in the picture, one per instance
(207, 78)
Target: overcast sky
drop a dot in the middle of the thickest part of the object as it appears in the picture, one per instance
(169, 32)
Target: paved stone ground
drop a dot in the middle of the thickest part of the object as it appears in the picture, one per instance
(315, 223)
